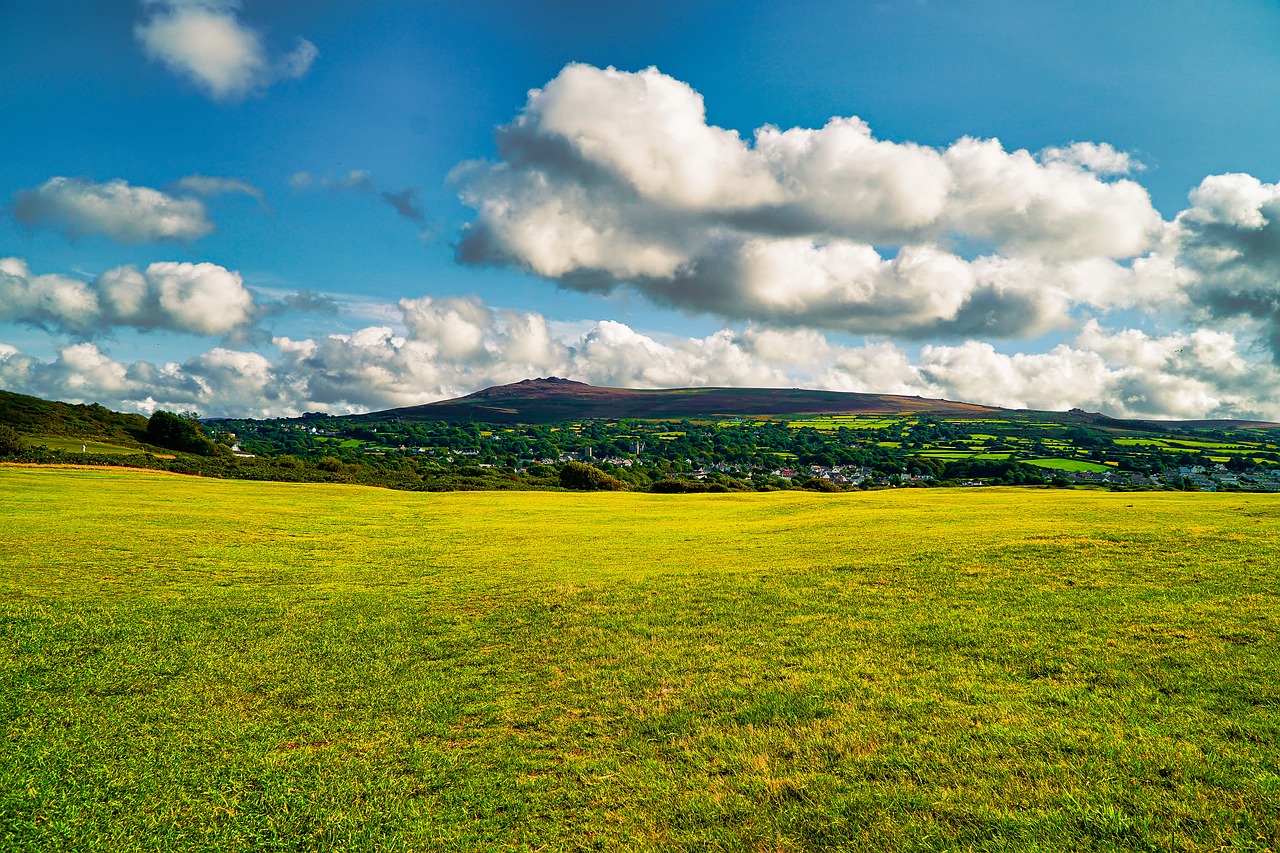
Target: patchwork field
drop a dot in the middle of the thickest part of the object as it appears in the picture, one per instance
(195, 664)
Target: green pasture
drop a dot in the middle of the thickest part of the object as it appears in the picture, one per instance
(849, 421)
(1219, 446)
(75, 445)
(1068, 464)
(195, 664)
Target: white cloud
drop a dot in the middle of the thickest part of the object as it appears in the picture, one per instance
(115, 209)
(612, 179)
(1101, 158)
(207, 185)
(204, 41)
(200, 299)
(1223, 255)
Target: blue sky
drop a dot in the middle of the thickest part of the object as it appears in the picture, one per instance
(1039, 204)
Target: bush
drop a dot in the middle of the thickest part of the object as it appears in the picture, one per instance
(672, 486)
(588, 478)
(328, 463)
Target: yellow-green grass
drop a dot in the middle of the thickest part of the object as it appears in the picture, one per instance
(224, 665)
(76, 445)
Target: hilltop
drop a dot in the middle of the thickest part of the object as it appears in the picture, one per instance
(554, 400)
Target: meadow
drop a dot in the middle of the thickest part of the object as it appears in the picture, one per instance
(75, 445)
(197, 664)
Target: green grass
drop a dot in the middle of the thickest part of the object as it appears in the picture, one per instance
(835, 422)
(1068, 464)
(193, 664)
(74, 445)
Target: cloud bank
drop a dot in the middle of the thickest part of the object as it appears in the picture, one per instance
(608, 179)
(205, 42)
(198, 299)
(452, 346)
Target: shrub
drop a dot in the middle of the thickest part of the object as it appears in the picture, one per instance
(588, 478)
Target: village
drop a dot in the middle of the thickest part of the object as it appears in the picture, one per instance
(841, 452)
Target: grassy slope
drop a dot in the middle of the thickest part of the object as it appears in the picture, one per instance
(197, 664)
(36, 417)
(75, 445)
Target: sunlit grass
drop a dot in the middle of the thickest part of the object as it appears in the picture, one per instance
(199, 664)
(75, 445)
(1067, 464)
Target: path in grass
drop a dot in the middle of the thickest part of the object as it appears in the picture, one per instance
(197, 664)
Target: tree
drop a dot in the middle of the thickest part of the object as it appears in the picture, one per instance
(165, 429)
(10, 442)
(588, 478)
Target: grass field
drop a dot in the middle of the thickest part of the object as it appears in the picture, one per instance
(192, 664)
(75, 445)
(1068, 464)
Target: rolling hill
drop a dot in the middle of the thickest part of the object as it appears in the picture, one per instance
(35, 416)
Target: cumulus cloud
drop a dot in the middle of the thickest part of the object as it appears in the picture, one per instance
(404, 201)
(1225, 252)
(447, 347)
(200, 299)
(115, 209)
(611, 179)
(205, 42)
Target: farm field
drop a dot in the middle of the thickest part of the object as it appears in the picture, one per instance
(198, 664)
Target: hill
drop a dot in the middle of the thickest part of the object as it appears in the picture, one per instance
(552, 400)
(36, 417)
